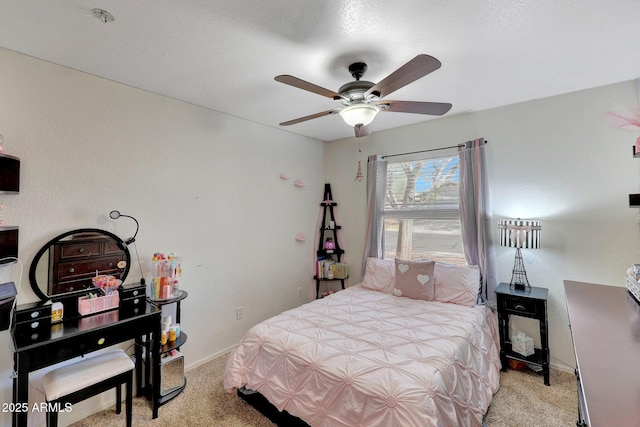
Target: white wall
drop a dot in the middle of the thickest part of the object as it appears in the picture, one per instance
(202, 184)
(554, 159)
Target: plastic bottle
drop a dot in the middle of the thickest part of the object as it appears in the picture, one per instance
(156, 288)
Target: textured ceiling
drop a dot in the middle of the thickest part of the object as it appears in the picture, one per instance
(224, 54)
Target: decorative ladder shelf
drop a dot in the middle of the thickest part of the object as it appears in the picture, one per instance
(329, 253)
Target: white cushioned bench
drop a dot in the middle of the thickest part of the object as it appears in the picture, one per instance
(88, 377)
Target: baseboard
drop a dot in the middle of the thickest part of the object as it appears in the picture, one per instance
(209, 358)
(562, 367)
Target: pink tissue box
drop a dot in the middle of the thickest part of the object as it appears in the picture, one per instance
(88, 305)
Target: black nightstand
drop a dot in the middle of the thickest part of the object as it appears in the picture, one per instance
(532, 304)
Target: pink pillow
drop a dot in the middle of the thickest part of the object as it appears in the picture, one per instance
(379, 275)
(457, 284)
(414, 279)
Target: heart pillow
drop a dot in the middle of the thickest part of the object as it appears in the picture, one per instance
(414, 279)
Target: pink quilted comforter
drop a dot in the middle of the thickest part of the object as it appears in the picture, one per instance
(366, 358)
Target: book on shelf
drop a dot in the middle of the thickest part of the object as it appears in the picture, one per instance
(331, 269)
(327, 272)
(323, 267)
(340, 270)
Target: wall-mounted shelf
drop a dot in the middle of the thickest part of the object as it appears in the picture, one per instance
(634, 199)
(9, 174)
(8, 244)
(9, 184)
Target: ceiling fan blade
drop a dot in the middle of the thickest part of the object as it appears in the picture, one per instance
(361, 131)
(432, 108)
(310, 117)
(418, 67)
(301, 84)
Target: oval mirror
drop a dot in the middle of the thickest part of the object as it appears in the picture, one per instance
(68, 262)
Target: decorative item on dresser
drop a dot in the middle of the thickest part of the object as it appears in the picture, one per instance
(531, 303)
(518, 233)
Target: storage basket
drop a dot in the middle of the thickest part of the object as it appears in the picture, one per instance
(88, 305)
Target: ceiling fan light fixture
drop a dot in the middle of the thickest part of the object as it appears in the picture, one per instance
(362, 99)
(359, 114)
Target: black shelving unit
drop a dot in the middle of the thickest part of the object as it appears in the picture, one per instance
(328, 229)
(9, 184)
(171, 345)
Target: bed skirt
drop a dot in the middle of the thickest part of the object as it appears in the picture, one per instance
(262, 405)
(281, 419)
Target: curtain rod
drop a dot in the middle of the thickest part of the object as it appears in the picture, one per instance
(426, 151)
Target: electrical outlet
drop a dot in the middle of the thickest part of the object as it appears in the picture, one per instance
(300, 292)
(239, 313)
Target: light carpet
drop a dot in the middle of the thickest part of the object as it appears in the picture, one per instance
(522, 400)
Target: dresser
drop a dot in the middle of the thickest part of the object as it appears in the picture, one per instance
(605, 327)
(74, 262)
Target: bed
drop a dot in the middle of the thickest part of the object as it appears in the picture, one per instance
(378, 353)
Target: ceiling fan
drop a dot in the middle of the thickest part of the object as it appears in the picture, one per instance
(362, 100)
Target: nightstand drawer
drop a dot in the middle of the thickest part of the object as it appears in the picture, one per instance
(521, 306)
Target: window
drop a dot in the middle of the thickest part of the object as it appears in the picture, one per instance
(421, 215)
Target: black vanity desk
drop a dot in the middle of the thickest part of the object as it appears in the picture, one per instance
(79, 336)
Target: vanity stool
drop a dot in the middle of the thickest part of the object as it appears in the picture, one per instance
(87, 378)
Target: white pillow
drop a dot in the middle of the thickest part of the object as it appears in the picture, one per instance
(456, 284)
(379, 275)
